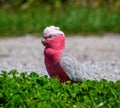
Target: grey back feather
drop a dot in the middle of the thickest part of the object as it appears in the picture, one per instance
(72, 67)
(77, 71)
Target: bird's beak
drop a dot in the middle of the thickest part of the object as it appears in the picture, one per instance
(43, 41)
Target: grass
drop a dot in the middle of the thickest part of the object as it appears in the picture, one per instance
(70, 20)
(32, 91)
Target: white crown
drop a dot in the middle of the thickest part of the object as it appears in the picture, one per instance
(52, 30)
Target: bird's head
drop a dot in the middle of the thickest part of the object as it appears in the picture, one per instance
(53, 38)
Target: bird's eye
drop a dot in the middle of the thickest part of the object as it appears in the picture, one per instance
(49, 36)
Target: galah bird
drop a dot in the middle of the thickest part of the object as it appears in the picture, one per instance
(58, 62)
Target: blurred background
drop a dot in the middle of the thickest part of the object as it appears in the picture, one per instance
(25, 20)
(21, 17)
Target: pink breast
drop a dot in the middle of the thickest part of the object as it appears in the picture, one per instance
(55, 70)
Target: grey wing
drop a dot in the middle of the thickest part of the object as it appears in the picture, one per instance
(78, 72)
(72, 67)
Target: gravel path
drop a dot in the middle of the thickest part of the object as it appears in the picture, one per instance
(100, 53)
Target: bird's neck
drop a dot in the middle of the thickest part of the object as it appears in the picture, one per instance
(52, 53)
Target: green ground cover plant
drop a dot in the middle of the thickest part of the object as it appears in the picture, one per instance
(32, 91)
